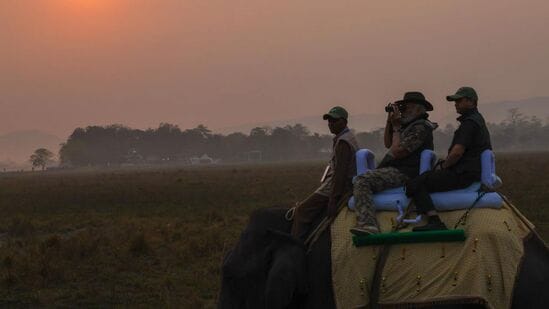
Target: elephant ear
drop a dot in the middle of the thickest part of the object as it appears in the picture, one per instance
(261, 236)
(283, 237)
(249, 256)
(285, 244)
(269, 218)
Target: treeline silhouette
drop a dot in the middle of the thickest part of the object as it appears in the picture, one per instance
(117, 144)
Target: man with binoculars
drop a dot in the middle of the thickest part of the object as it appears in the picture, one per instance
(407, 133)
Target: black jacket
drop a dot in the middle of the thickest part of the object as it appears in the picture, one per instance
(473, 134)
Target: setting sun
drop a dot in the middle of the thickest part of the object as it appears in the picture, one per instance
(85, 5)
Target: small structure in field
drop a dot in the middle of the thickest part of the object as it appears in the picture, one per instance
(203, 160)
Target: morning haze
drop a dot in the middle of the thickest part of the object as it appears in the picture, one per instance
(67, 64)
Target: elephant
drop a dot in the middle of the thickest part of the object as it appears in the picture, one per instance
(268, 268)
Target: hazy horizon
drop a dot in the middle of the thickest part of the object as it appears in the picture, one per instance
(73, 63)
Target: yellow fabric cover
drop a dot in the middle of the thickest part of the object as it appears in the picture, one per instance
(482, 268)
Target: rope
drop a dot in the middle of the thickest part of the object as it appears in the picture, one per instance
(325, 223)
(315, 234)
(290, 214)
(463, 218)
(522, 218)
(382, 260)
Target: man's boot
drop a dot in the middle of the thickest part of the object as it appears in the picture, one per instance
(363, 228)
(433, 224)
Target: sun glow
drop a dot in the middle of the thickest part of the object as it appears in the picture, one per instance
(78, 19)
(85, 5)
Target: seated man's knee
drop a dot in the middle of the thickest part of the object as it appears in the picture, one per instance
(416, 184)
(363, 180)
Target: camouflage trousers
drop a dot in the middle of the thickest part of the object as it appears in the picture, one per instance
(370, 183)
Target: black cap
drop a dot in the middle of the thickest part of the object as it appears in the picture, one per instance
(416, 97)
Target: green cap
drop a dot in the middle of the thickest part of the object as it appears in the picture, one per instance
(463, 92)
(336, 113)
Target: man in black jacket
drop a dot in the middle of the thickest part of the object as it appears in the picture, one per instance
(462, 165)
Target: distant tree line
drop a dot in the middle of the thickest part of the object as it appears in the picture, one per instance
(117, 144)
(516, 133)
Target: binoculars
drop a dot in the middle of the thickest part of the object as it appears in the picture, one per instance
(390, 107)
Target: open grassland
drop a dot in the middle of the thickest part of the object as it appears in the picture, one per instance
(157, 236)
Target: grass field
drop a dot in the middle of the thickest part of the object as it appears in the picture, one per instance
(157, 236)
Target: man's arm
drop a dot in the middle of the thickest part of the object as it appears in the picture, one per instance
(454, 155)
(463, 139)
(410, 142)
(388, 134)
(343, 159)
(392, 125)
(397, 151)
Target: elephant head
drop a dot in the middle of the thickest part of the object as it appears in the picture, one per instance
(266, 269)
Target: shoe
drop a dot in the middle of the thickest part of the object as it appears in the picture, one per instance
(365, 230)
(432, 226)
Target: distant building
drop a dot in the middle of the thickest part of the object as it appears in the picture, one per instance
(204, 159)
(133, 157)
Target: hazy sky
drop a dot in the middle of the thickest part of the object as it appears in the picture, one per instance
(69, 63)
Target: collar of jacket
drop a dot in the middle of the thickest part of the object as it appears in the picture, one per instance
(341, 133)
(422, 116)
(467, 114)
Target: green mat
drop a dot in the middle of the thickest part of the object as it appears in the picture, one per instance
(408, 237)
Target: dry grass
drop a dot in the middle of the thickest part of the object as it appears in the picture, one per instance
(157, 237)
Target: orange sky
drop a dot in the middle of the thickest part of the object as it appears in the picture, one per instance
(69, 63)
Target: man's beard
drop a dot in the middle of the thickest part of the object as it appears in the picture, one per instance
(406, 120)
